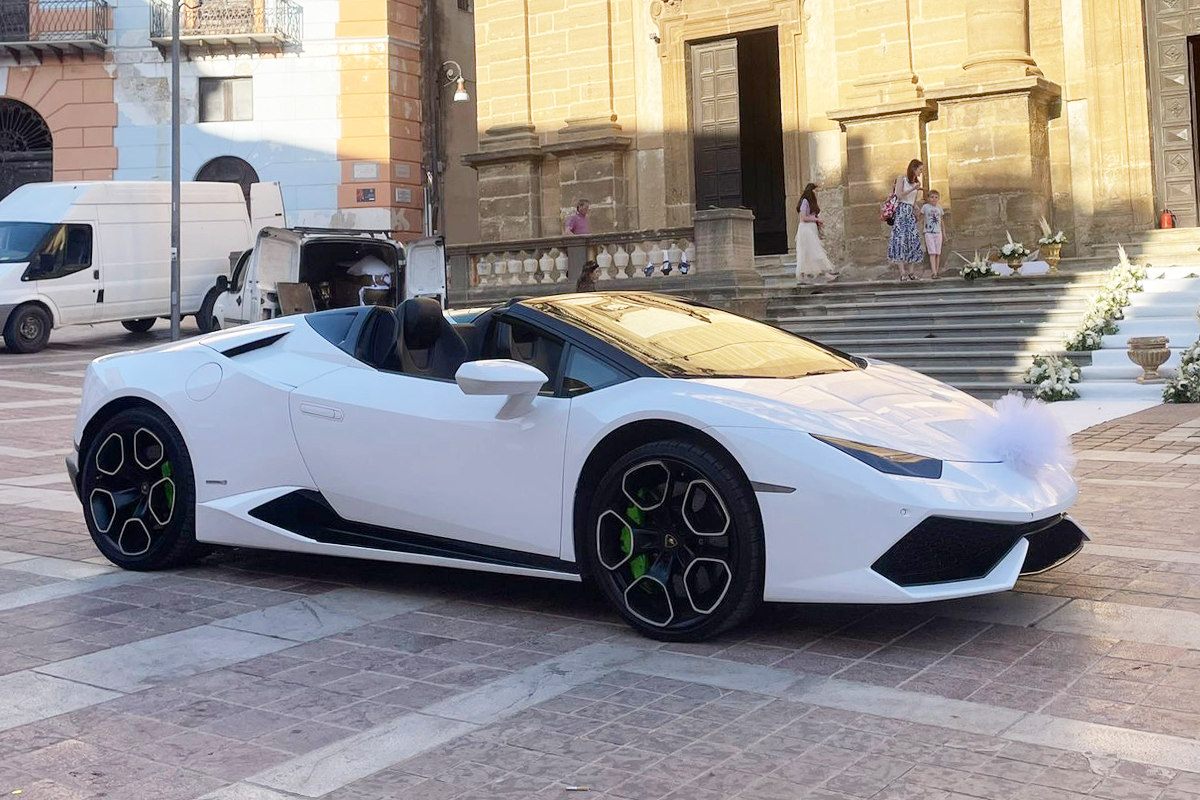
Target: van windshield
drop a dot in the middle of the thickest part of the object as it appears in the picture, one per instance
(19, 240)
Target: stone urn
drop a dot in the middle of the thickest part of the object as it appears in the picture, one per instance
(1015, 265)
(1052, 253)
(1149, 353)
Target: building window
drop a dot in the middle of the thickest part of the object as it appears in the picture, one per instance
(226, 99)
(465, 5)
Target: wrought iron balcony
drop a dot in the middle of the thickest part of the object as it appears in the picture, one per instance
(58, 27)
(228, 25)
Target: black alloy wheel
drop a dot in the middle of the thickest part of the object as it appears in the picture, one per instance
(28, 329)
(675, 542)
(138, 492)
(139, 325)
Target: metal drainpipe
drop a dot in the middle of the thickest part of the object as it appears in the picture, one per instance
(431, 74)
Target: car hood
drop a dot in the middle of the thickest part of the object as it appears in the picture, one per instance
(882, 405)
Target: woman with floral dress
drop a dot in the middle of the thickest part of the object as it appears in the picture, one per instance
(904, 248)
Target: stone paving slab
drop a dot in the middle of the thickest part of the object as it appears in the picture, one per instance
(260, 676)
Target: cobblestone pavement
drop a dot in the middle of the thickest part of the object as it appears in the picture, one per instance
(257, 676)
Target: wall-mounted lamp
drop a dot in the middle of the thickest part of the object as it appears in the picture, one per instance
(454, 74)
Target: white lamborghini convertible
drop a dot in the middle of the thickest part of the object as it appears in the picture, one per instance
(689, 461)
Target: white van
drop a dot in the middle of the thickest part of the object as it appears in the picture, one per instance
(300, 270)
(88, 252)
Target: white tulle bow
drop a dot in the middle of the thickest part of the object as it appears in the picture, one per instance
(1025, 435)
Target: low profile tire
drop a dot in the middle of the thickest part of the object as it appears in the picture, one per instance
(674, 541)
(28, 329)
(139, 494)
(139, 325)
(206, 321)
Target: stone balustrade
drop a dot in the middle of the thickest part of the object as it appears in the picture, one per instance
(664, 254)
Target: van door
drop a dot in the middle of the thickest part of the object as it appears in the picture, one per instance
(66, 270)
(425, 269)
(276, 259)
(266, 208)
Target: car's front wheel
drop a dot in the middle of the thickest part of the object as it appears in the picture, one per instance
(674, 541)
(139, 495)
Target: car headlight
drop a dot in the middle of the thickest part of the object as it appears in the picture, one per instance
(887, 460)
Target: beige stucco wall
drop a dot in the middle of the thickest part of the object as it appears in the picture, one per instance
(546, 62)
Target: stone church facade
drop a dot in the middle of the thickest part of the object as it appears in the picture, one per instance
(1080, 111)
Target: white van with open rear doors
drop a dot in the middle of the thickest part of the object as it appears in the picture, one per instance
(301, 270)
(89, 252)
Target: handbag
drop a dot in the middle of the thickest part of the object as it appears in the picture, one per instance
(887, 211)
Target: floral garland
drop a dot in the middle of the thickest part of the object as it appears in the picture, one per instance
(1052, 378)
(1108, 305)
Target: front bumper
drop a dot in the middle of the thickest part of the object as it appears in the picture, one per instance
(5, 313)
(73, 472)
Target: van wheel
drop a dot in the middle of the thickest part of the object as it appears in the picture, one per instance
(139, 325)
(206, 321)
(28, 329)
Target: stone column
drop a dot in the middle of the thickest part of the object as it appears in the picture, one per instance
(998, 40)
(508, 166)
(884, 54)
(997, 119)
(880, 141)
(591, 165)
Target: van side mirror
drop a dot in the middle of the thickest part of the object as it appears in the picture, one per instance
(222, 283)
(46, 262)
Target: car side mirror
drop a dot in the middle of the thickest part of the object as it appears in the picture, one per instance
(520, 383)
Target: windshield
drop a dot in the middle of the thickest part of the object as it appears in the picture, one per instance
(682, 340)
(18, 240)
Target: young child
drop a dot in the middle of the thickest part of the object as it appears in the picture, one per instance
(932, 213)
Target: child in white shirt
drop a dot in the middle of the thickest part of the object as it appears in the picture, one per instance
(932, 213)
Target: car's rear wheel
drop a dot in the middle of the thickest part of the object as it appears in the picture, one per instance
(139, 495)
(139, 325)
(28, 329)
(674, 541)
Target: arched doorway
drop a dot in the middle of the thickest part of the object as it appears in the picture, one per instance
(229, 169)
(26, 147)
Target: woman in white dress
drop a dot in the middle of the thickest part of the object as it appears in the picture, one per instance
(811, 261)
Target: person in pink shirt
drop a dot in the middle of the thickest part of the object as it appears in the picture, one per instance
(577, 223)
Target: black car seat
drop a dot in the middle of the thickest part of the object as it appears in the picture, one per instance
(428, 345)
(379, 340)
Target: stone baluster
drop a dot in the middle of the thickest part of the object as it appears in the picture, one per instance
(529, 265)
(561, 263)
(546, 267)
(604, 260)
(689, 259)
(654, 261)
(483, 270)
(621, 262)
(637, 260)
(515, 265)
(675, 257)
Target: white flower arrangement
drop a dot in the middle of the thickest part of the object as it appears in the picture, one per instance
(1052, 378)
(1108, 305)
(1048, 235)
(1185, 386)
(1012, 250)
(976, 268)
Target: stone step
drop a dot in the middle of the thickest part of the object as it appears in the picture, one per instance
(1174, 286)
(971, 318)
(967, 330)
(921, 361)
(1119, 390)
(1182, 332)
(1168, 309)
(885, 347)
(934, 303)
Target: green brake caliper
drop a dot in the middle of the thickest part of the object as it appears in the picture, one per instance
(637, 564)
(170, 487)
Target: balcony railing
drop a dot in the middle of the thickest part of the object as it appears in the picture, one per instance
(60, 27)
(212, 25)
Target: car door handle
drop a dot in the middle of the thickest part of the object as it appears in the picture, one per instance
(321, 412)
